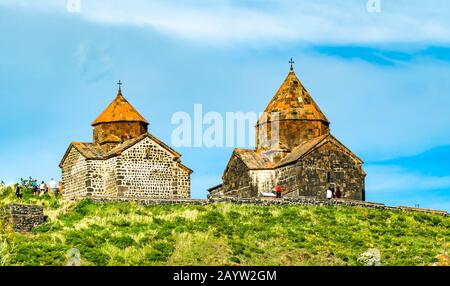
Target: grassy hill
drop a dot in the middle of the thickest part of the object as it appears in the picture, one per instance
(223, 234)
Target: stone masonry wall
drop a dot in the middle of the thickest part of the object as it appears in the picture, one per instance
(291, 133)
(145, 170)
(148, 170)
(110, 178)
(182, 186)
(237, 181)
(24, 217)
(96, 177)
(123, 130)
(74, 174)
(310, 176)
(300, 201)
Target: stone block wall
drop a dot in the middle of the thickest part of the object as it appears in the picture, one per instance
(182, 183)
(96, 176)
(24, 217)
(291, 133)
(326, 165)
(123, 130)
(237, 177)
(145, 170)
(74, 175)
(110, 178)
(310, 176)
(148, 170)
(297, 201)
(311, 201)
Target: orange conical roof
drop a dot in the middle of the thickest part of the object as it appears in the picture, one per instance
(120, 110)
(292, 102)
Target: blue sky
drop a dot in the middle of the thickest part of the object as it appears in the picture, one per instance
(382, 79)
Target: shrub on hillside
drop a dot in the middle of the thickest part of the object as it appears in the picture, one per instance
(161, 251)
(122, 242)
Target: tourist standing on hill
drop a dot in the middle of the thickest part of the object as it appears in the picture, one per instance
(60, 187)
(34, 185)
(42, 188)
(278, 190)
(329, 193)
(53, 187)
(18, 193)
(338, 193)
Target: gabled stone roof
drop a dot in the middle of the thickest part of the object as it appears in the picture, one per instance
(88, 150)
(92, 151)
(301, 150)
(292, 102)
(257, 161)
(119, 110)
(253, 160)
(129, 143)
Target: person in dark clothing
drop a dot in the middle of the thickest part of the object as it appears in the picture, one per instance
(338, 193)
(278, 190)
(18, 193)
(333, 192)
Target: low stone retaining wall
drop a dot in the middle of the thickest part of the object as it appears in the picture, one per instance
(311, 201)
(24, 217)
(145, 201)
(304, 201)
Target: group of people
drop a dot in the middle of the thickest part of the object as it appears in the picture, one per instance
(331, 192)
(40, 189)
(334, 194)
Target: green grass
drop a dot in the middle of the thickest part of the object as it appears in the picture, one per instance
(222, 234)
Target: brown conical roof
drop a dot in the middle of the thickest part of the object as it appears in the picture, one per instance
(120, 110)
(292, 102)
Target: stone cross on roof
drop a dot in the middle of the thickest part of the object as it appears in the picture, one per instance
(292, 64)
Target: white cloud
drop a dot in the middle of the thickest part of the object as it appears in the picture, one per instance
(395, 179)
(395, 186)
(269, 22)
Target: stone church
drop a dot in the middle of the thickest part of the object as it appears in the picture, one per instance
(295, 150)
(123, 161)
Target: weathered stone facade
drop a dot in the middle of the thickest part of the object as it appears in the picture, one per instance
(295, 150)
(73, 172)
(118, 132)
(124, 161)
(290, 133)
(309, 176)
(24, 217)
(239, 180)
